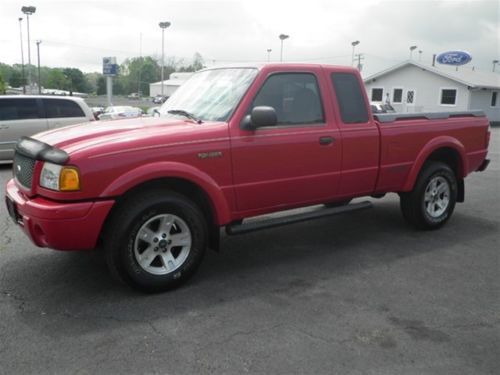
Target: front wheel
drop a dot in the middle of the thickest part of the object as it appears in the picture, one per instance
(156, 241)
(432, 201)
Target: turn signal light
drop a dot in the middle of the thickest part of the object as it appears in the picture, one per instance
(69, 180)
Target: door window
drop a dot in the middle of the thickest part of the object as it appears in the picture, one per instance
(294, 96)
(18, 109)
(58, 108)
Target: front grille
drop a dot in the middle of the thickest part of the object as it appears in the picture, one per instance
(23, 168)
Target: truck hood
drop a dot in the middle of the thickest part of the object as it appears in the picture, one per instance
(126, 133)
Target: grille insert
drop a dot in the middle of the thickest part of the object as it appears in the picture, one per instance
(23, 168)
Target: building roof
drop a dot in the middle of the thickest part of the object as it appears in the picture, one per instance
(170, 82)
(464, 75)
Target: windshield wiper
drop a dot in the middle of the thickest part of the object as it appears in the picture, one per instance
(185, 114)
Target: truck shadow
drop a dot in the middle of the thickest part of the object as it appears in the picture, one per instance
(278, 265)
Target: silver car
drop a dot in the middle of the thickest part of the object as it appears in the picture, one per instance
(25, 115)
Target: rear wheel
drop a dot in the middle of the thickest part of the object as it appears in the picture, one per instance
(156, 241)
(432, 201)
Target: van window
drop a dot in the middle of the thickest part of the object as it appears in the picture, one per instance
(18, 109)
(57, 108)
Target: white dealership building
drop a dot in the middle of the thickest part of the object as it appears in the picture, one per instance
(414, 87)
(170, 85)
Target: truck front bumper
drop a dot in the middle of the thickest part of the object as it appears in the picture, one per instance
(58, 225)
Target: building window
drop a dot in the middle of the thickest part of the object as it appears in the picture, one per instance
(448, 96)
(377, 95)
(410, 96)
(397, 96)
(494, 98)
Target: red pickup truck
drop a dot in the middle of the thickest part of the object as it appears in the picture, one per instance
(232, 144)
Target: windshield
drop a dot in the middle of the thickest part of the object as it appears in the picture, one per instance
(211, 95)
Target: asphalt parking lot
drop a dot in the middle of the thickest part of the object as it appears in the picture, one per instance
(360, 293)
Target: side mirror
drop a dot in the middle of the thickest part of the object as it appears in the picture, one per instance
(260, 116)
(156, 113)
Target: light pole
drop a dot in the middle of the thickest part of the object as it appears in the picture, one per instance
(269, 54)
(163, 26)
(495, 62)
(29, 11)
(22, 53)
(353, 44)
(38, 53)
(282, 38)
(412, 48)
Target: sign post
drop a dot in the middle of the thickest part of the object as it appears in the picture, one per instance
(109, 70)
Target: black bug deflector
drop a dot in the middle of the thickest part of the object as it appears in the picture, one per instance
(38, 150)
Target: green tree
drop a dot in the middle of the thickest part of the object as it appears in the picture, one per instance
(16, 79)
(76, 80)
(57, 80)
(197, 64)
(101, 85)
(3, 86)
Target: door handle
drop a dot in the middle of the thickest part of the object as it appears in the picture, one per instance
(324, 141)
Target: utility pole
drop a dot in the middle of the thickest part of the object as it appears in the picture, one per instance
(139, 92)
(29, 11)
(360, 57)
(22, 54)
(163, 26)
(38, 53)
(353, 44)
(282, 38)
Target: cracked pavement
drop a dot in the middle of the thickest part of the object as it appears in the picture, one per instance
(360, 293)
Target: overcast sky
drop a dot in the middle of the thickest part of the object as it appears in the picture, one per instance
(79, 33)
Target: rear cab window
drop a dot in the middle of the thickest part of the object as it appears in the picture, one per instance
(59, 108)
(350, 99)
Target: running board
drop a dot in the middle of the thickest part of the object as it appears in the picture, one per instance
(292, 219)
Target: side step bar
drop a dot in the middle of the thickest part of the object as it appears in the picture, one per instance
(296, 218)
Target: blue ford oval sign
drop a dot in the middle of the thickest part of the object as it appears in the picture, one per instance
(454, 58)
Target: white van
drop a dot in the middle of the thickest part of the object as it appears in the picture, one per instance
(25, 115)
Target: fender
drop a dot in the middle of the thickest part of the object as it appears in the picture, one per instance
(427, 150)
(187, 172)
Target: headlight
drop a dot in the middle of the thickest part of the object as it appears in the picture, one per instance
(59, 177)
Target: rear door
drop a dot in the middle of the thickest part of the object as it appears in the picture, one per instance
(360, 135)
(62, 112)
(18, 117)
(294, 162)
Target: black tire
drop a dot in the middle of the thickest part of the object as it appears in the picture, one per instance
(338, 204)
(122, 241)
(433, 213)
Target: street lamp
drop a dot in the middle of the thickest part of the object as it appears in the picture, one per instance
(22, 53)
(282, 38)
(419, 55)
(163, 26)
(29, 11)
(38, 53)
(353, 44)
(412, 48)
(495, 62)
(269, 54)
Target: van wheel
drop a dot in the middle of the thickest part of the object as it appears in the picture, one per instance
(431, 202)
(156, 241)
